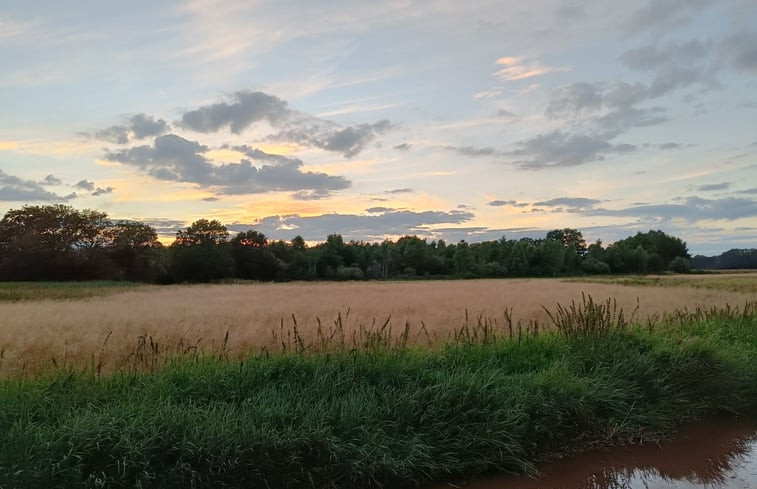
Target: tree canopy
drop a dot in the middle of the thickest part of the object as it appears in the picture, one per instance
(58, 242)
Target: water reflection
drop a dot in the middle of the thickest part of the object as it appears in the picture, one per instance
(715, 455)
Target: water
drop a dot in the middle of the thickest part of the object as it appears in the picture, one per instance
(713, 455)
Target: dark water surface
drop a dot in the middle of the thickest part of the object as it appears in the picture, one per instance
(713, 455)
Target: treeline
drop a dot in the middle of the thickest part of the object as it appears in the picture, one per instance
(731, 259)
(58, 242)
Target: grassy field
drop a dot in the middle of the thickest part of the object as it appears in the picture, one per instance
(745, 282)
(141, 327)
(383, 415)
(38, 291)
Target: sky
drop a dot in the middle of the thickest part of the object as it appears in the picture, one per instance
(444, 119)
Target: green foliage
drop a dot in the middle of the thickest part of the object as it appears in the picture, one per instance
(58, 242)
(379, 417)
(36, 291)
(666, 246)
(593, 266)
(732, 259)
(680, 264)
(61, 243)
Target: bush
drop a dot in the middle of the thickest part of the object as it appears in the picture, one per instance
(594, 266)
(680, 264)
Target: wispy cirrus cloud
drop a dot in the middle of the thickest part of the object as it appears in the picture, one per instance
(515, 68)
(710, 187)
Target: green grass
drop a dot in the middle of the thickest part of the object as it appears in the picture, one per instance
(383, 416)
(36, 291)
(745, 283)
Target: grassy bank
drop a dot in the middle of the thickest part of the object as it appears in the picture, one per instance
(381, 415)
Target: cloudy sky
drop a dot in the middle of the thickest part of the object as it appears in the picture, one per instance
(444, 119)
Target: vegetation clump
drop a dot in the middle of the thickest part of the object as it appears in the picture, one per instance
(386, 414)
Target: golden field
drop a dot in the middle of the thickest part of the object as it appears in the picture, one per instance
(147, 323)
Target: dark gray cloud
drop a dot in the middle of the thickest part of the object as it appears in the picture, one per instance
(85, 185)
(102, 191)
(558, 149)
(714, 186)
(312, 194)
(51, 180)
(211, 199)
(652, 56)
(752, 190)
(15, 189)
(352, 226)
(472, 151)
(348, 141)
(675, 65)
(403, 146)
(506, 114)
(244, 109)
(174, 158)
(666, 146)
(399, 191)
(573, 204)
(610, 105)
(662, 16)
(144, 126)
(510, 203)
(378, 210)
(352, 140)
(739, 50)
(163, 226)
(139, 126)
(113, 134)
(690, 209)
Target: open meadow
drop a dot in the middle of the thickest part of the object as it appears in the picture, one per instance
(237, 385)
(115, 326)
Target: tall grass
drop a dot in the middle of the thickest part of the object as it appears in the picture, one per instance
(330, 413)
(197, 318)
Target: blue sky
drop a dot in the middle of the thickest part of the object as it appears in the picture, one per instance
(444, 119)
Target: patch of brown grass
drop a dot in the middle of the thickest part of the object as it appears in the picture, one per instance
(145, 325)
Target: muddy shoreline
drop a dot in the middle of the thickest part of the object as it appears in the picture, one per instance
(713, 454)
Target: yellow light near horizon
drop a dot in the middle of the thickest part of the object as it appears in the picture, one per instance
(8, 145)
(225, 155)
(102, 162)
(279, 149)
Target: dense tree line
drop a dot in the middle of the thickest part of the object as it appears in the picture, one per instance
(58, 242)
(731, 259)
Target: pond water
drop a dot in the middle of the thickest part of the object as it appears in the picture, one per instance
(713, 455)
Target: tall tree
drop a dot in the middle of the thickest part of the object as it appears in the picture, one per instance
(201, 253)
(134, 248)
(53, 242)
(252, 259)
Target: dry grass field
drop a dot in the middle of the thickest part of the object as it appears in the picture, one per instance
(149, 324)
